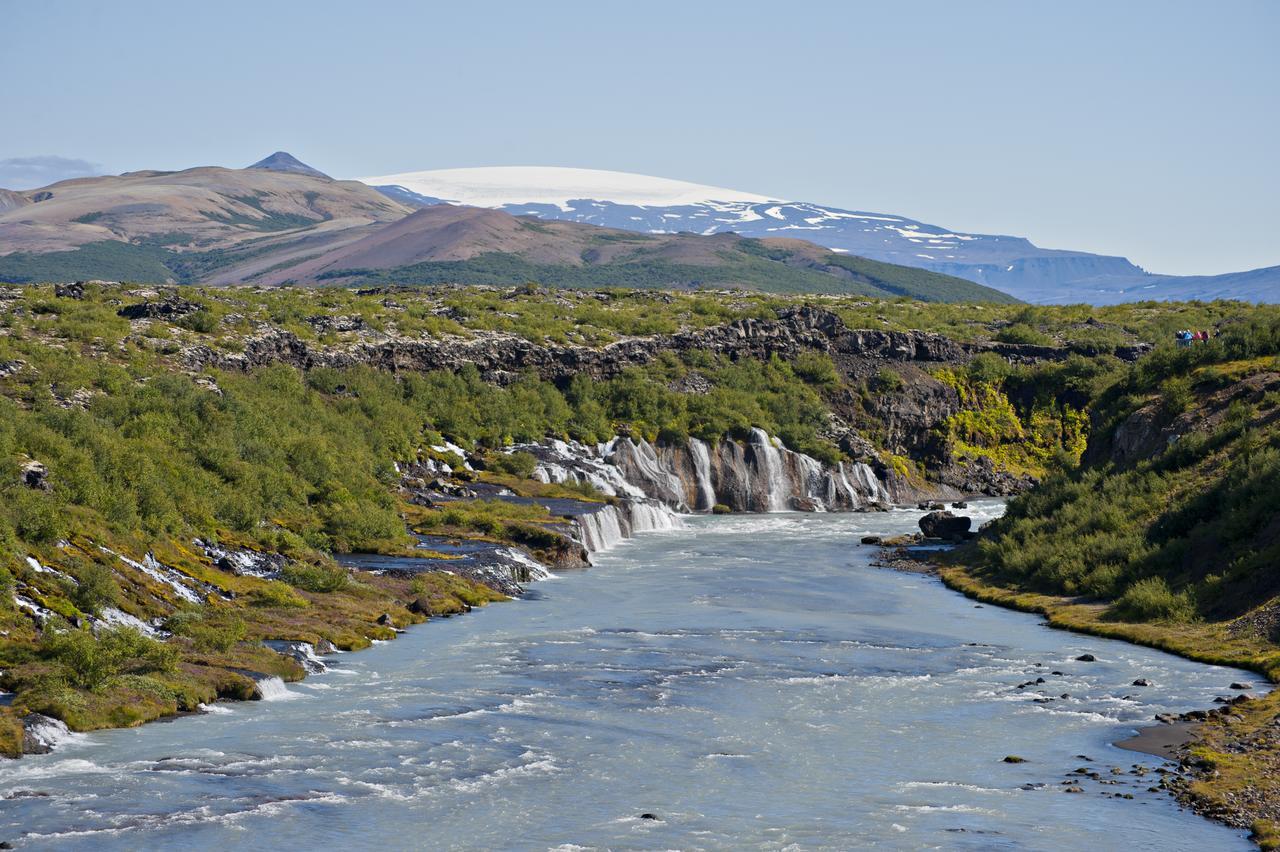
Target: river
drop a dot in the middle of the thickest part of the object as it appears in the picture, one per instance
(750, 681)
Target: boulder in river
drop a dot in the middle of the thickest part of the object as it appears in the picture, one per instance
(1086, 658)
(945, 525)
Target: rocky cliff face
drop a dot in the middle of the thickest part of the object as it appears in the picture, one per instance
(501, 357)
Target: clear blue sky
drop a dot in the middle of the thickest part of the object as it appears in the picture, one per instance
(1149, 129)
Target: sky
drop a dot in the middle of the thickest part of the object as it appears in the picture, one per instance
(1144, 129)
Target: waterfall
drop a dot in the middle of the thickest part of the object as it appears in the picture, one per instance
(869, 489)
(639, 463)
(647, 517)
(760, 475)
(272, 688)
(564, 461)
(536, 570)
(601, 529)
(606, 527)
(814, 481)
(701, 456)
(119, 618)
(771, 462)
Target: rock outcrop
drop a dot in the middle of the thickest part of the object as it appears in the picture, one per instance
(945, 525)
(503, 357)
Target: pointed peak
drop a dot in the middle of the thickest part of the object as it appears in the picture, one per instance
(283, 161)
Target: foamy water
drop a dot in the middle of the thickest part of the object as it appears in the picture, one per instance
(748, 680)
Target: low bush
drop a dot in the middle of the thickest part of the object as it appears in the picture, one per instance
(316, 577)
(1151, 599)
(89, 662)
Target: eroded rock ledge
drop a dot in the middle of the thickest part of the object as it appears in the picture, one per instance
(501, 357)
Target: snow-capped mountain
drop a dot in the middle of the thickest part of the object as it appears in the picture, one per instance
(659, 205)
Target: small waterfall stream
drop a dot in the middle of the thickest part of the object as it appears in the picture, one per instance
(701, 457)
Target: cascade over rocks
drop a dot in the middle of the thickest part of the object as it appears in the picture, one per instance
(756, 475)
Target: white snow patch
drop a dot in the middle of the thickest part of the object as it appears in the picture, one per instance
(499, 185)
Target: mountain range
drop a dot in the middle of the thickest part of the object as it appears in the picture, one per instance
(280, 221)
(657, 205)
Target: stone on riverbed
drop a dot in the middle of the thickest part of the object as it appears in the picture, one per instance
(945, 525)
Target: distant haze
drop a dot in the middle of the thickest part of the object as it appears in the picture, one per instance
(1145, 129)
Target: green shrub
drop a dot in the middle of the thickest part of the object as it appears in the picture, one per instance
(206, 632)
(1022, 333)
(888, 381)
(96, 588)
(202, 321)
(1151, 599)
(89, 661)
(273, 593)
(988, 368)
(519, 463)
(316, 578)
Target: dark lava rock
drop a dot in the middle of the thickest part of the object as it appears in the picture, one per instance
(871, 539)
(385, 618)
(69, 291)
(1013, 758)
(945, 525)
(959, 504)
(164, 309)
(1142, 681)
(648, 816)
(1086, 658)
(35, 475)
(1239, 685)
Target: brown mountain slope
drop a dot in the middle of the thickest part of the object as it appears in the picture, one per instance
(469, 245)
(196, 209)
(10, 200)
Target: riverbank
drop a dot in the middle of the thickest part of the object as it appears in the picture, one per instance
(749, 653)
(1230, 762)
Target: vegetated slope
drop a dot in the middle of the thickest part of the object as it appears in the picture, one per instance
(470, 245)
(1173, 514)
(658, 205)
(1169, 535)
